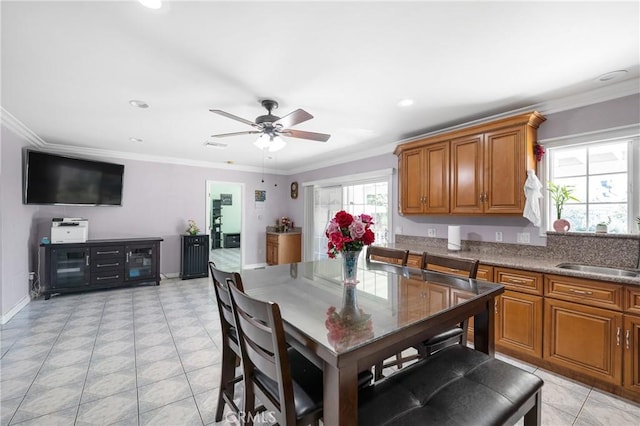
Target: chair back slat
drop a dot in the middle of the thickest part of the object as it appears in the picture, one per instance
(254, 321)
(452, 265)
(388, 255)
(223, 297)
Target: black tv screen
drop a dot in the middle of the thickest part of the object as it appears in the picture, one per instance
(55, 179)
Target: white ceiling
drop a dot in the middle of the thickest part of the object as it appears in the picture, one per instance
(70, 68)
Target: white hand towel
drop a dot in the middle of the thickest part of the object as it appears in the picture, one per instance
(533, 193)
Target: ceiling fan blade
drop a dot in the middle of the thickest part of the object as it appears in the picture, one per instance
(224, 135)
(296, 117)
(233, 117)
(320, 137)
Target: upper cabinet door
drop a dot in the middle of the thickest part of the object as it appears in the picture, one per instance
(437, 178)
(467, 163)
(412, 181)
(505, 170)
(424, 180)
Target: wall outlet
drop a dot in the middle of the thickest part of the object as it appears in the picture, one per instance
(32, 276)
(499, 236)
(523, 238)
(431, 232)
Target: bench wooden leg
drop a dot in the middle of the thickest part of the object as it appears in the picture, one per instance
(532, 418)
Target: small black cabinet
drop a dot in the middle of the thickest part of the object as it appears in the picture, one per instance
(194, 256)
(99, 264)
(231, 240)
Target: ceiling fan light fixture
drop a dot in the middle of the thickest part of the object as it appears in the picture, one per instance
(263, 141)
(270, 142)
(276, 144)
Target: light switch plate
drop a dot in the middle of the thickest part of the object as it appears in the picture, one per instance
(523, 238)
(431, 232)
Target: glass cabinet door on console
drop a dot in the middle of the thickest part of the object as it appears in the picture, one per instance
(140, 262)
(69, 267)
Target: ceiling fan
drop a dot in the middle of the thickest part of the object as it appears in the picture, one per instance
(271, 127)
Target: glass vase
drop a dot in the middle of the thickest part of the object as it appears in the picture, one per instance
(350, 267)
(349, 312)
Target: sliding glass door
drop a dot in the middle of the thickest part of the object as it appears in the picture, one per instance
(370, 197)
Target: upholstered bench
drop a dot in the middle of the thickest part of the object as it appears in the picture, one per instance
(456, 386)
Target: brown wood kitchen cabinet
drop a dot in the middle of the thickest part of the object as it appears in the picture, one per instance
(519, 313)
(631, 340)
(425, 179)
(284, 248)
(487, 166)
(583, 325)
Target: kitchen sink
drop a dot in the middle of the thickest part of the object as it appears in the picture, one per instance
(600, 270)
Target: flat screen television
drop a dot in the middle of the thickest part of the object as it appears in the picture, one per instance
(55, 179)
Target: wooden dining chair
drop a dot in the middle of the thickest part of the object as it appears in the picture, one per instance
(230, 347)
(396, 257)
(387, 255)
(287, 384)
(467, 268)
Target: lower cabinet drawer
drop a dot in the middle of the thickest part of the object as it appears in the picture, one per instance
(414, 261)
(587, 292)
(108, 276)
(516, 279)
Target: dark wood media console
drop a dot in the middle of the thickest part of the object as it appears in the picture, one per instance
(99, 264)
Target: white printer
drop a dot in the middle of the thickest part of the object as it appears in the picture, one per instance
(69, 230)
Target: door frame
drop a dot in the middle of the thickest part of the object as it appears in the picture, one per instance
(242, 186)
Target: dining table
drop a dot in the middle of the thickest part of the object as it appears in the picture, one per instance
(347, 329)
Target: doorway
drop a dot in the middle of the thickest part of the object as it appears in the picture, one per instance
(224, 223)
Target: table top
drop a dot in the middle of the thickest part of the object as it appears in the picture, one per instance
(313, 299)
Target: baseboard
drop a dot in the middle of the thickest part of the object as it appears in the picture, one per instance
(17, 308)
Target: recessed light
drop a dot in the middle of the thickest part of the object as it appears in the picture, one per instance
(613, 75)
(138, 103)
(138, 140)
(405, 102)
(151, 4)
(216, 145)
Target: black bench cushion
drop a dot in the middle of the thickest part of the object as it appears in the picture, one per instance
(456, 386)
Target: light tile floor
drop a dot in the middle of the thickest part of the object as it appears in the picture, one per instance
(151, 355)
(227, 259)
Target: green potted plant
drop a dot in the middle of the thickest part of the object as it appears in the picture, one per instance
(560, 194)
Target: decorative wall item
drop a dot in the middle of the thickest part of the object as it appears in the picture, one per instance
(294, 190)
(261, 195)
(226, 199)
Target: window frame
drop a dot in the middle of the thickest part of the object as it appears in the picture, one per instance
(629, 133)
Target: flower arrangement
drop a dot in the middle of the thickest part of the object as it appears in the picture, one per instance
(192, 228)
(538, 150)
(345, 330)
(348, 233)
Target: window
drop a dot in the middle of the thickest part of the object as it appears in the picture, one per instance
(365, 193)
(601, 175)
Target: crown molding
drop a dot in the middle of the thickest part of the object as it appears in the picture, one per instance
(18, 127)
(602, 94)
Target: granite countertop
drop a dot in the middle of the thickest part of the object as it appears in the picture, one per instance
(537, 264)
(274, 230)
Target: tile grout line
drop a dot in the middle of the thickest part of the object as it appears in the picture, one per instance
(38, 372)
